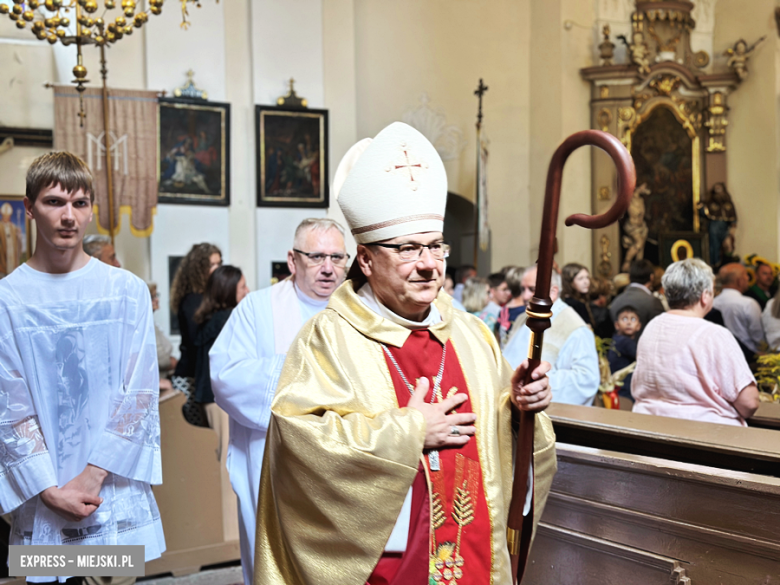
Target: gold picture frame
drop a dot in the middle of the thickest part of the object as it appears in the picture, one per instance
(292, 157)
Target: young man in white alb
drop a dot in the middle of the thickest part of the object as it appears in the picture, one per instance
(79, 424)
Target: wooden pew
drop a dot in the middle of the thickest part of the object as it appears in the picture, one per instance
(197, 505)
(647, 500)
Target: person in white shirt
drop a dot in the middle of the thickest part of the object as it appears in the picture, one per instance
(569, 346)
(248, 355)
(741, 314)
(770, 319)
(79, 427)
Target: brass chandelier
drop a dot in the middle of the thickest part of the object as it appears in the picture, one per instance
(95, 23)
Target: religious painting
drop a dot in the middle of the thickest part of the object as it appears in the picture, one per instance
(676, 246)
(194, 152)
(663, 156)
(292, 158)
(15, 234)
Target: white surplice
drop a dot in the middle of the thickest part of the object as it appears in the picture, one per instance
(246, 361)
(79, 384)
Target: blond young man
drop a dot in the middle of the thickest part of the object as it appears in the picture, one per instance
(79, 426)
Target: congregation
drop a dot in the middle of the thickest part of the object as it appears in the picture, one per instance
(684, 344)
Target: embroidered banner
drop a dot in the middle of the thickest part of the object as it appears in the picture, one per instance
(132, 141)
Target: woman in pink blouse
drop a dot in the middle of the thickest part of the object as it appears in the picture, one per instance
(688, 367)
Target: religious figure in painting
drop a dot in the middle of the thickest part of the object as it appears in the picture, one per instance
(738, 57)
(721, 217)
(635, 228)
(184, 164)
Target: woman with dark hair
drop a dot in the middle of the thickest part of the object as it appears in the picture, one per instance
(187, 289)
(224, 290)
(575, 280)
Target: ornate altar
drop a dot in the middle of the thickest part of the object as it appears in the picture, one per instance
(671, 112)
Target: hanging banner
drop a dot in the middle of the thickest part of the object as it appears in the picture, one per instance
(132, 144)
(483, 226)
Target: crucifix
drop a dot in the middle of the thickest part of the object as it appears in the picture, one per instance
(480, 91)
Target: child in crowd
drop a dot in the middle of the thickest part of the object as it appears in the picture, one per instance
(623, 351)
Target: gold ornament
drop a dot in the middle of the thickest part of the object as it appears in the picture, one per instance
(38, 25)
(110, 4)
(128, 30)
(4, 9)
(33, 4)
(20, 24)
(28, 15)
(120, 21)
(51, 38)
(91, 6)
(100, 40)
(155, 10)
(80, 72)
(17, 10)
(65, 22)
(13, 16)
(99, 22)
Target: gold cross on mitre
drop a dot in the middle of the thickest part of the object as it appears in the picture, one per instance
(410, 164)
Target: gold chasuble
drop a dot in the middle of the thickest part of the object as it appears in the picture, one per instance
(341, 455)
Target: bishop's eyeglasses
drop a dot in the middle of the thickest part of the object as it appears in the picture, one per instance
(317, 258)
(412, 251)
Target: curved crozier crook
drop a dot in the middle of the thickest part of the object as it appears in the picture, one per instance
(626, 174)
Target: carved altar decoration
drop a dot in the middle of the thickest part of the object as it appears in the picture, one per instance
(670, 108)
(739, 55)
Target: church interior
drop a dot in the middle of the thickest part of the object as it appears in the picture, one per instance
(224, 122)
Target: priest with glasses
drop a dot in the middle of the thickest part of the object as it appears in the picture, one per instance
(389, 454)
(247, 357)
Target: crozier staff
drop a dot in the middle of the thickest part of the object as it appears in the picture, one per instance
(389, 399)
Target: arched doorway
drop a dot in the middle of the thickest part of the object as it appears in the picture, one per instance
(459, 232)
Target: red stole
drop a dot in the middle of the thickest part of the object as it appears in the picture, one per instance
(452, 545)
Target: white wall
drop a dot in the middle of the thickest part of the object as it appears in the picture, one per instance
(170, 52)
(286, 43)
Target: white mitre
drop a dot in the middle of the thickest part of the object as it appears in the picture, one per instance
(391, 186)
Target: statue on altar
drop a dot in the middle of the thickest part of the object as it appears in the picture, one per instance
(640, 53)
(738, 57)
(635, 228)
(721, 217)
